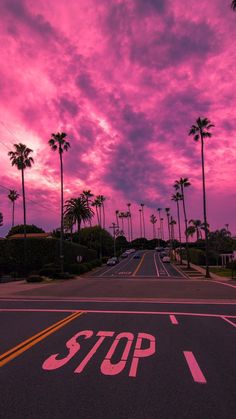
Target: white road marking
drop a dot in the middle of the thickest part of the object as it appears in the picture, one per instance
(154, 257)
(227, 320)
(195, 370)
(173, 319)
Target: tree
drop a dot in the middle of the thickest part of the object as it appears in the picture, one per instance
(201, 131)
(97, 204)
(167, 210)
(21, 158)
(142, 208)
(101, 199)
(181, 184)
(30, 228)
(161, 232)
(117, 218)
(131, 222)
(13, 196)
(87, 194)
(78, 211)
(233, 4)
(58, 142)
(176, 198)
(197, 226)
(153, 220)
(1, 219)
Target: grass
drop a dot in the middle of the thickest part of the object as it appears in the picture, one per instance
(222, 272)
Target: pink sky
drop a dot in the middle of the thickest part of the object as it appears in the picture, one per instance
(125, 79)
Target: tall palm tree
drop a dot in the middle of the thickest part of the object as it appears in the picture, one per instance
(97, 204)
(161, 233)
(78, 211)
(201, 131)
(130, 221)
(181, 184)
(13, 196)
(87, 194)
(153, 220)
(197, 224)
(58, 142)
(167, 210)
(69, 222)
(1, 219)
(142, 207)
(140, 222)
(172, 231)
(21, 158)
(176, 198)
(101, 199)
(122, 215)
(233, 4)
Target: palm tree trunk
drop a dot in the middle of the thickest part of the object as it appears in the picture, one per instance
(177, 202)
(168, 221)
(117, 221)
(13, 213)
(97, 214)
(131, 228)
(103, 213)
(140, 221)
(24, 213)
(143, 223)
(186, 226)
(90, 222)
(204, 209)
(62, 221)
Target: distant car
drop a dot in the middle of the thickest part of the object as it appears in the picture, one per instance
(163, 254)
(166, 259)
(159, 249)
(125, 255)
(111, 262)
(137, 256)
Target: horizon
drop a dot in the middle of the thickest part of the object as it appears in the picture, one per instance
(125, 80)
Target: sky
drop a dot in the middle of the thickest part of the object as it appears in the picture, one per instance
(125, 79)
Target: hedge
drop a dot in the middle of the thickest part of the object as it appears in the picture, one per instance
(39, 252)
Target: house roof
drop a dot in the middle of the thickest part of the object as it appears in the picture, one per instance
(31, 236)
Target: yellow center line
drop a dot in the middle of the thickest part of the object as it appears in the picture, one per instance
(33, 340)
(139, 265)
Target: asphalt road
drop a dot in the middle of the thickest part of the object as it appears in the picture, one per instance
(96, 354)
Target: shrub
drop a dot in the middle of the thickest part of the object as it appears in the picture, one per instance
(60, 275)
(39, 252)
(231, 265)
(34, 278)
(197, 256)
(47, 272)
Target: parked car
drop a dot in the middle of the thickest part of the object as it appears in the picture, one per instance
(159, 249)
(166, 259)
(163, 254)
(125, 255)
(136, 256)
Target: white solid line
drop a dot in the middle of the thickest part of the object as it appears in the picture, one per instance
(115, 267)
(154, 257)
(223, 283)
(227, 320)
(38, 310)
(173, 319)
(163, 266)
(123, 300)
(194, 368)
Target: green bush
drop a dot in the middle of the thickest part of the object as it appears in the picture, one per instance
(231, 265)
(61, 275)
(197, 256)
(47, 272)
(34, 278)
(39, 252)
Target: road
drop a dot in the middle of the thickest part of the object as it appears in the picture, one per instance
(142, 351)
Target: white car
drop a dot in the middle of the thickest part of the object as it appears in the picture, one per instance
(111, 262)
(166, 259)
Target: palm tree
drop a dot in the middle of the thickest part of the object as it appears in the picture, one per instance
(21, 158)
(122, 215)
(233, 4)
(181, 184)
(176, 198)
(78, 211)
(101, 199)
(201, 131)
(172, 225)
(140, 222)
(87, 194)
(97, 204)
(167, 210)
(159, 211)
(197, 224)
(130, 223)
(153, 220)
(69, 223)
(13, 196)
(142, 207)
(1, 219)
(58, 142)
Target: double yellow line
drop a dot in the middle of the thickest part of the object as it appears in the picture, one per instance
(139, 265)
(23, 346)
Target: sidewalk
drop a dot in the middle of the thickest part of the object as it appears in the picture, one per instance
(197, 272)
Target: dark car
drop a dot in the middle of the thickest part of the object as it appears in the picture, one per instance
(137, 256)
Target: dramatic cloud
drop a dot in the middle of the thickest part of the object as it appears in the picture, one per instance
(125, 79)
